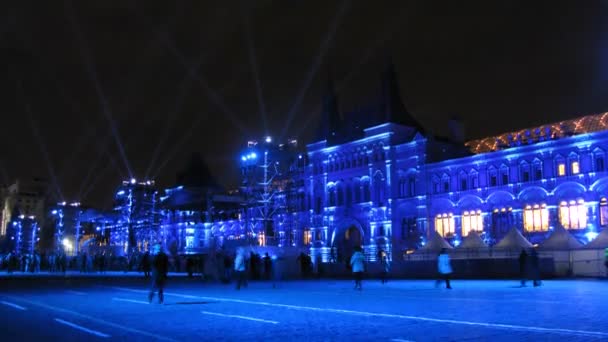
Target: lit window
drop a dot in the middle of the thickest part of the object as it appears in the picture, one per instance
(573, 214)
(444, 224)
(262, 239)
(472, 221)
(536, 218)
(307, 237)
(575, 168)
(603, 212)
(561, 169)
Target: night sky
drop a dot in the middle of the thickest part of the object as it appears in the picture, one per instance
(206, 76)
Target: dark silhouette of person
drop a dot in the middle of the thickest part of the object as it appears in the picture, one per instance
(160, 267)
(535, 268)
(523, 267)
(267, 267)
(145, 264)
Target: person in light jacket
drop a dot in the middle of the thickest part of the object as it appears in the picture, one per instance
(357, 264)
(445, 269)
(239, 268)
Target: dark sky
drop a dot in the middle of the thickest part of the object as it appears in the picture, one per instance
(177, 77)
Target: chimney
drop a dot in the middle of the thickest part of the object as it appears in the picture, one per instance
(456, 128)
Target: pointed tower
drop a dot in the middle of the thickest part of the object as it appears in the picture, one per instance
(197, 174)
(391, 106)
(330, 116)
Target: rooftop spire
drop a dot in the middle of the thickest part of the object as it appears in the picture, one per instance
(392, 108)
(330, 115)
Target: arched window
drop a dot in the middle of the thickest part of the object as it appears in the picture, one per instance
(464, 184)
(366, 191)
(340, 194)
(348, 191)
(524, 171)
(436, 183)
(331, 196)
(573, 161)
(536, 218)
(472, 221)
(474, 179)
(537, 169)
(379, 188)
(444, 224)
(402, 186)
(573, 214)
(504, 175)
(492, 176)
(357, 190)
(560, 165)
(411, 185)
(445, 180)
(598, 160)
(603, 212)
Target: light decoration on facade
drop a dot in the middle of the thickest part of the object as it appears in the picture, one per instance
(583, 125)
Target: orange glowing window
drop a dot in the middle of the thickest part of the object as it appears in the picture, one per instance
(575, 168)
(561, 169)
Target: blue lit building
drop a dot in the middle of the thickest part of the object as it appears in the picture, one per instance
(376, 178)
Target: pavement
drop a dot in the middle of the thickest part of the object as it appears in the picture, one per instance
(113, 309)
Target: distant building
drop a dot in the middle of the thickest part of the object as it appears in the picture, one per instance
(24, 197)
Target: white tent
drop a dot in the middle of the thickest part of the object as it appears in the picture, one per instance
(435, 243)
(560, 239)
(601, 241)
(472, 241)
(513, 240)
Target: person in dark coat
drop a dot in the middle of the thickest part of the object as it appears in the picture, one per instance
(523, 265)
(160, 268)
(267, 267)
(535, 268)
(145, 264)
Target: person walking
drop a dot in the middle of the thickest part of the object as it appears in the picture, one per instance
(239, 268)
(535, 268)
(386, 266)
(145, 264)
(160, 268)
(357, 264)
(445, 269)
(267, 267)
(523, 267)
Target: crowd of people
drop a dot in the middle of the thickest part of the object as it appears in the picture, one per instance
(240, 266)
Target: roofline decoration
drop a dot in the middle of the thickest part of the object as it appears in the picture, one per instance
(567, 128)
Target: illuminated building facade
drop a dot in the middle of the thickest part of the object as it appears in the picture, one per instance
(376, 178)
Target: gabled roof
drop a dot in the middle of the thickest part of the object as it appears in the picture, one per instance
(560, 239)
(513, 240)
(473, 240)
